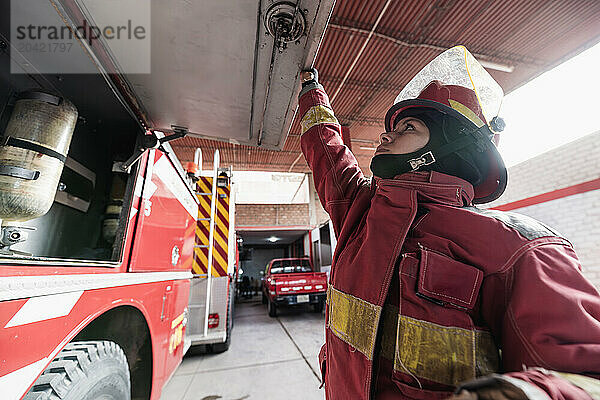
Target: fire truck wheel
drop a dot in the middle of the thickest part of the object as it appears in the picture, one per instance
(272, 308)
(221, 347)
(85, 371)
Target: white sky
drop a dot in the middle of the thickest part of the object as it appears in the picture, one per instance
(556, 108)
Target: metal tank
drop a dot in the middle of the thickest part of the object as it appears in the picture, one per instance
(32, 154)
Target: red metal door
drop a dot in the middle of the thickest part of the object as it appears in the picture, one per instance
(166, 220)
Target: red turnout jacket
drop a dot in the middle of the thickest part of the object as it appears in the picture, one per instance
(428, 292)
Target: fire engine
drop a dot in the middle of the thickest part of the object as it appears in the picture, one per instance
(96, 302)
(92, 299)
(114, 259)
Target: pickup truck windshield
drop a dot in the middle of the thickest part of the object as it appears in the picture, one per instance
(290, 266)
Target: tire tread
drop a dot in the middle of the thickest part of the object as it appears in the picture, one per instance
(71, 365)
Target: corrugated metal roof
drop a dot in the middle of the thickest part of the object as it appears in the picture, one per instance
(533, 36)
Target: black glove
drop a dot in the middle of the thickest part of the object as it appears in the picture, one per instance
(310, 76)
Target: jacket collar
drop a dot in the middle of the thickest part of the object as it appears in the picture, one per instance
(433, 186)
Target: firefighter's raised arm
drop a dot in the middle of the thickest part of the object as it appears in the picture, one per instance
(336, 173)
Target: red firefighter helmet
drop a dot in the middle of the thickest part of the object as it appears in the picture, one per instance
(462, 104)
(468, 93)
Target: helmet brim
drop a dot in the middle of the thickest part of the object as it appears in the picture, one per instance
(492, 185)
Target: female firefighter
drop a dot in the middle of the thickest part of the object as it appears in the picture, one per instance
(429, 296)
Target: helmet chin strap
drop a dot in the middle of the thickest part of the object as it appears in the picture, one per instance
(476, 137)
(389, 165)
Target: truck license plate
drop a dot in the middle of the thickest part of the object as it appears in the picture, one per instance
(302, 298)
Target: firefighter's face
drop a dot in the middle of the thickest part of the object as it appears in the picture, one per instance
(409, 135)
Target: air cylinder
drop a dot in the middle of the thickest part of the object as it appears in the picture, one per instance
(114, 207)
(32, 154)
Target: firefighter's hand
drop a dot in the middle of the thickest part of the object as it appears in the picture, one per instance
(309, 76)
(507, 392)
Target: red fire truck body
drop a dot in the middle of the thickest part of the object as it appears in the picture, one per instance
(112, 263)
(45, 304)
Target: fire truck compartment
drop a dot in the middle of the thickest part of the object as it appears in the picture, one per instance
(92, 199)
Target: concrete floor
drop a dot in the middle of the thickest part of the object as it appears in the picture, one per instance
(269, 358)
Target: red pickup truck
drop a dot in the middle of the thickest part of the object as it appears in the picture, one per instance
(292, 281)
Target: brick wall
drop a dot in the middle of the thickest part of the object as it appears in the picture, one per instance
(271, 214)
(573, 163)
(577, 217)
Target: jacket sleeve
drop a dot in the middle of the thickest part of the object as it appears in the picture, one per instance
(336, 173)
(550, 331)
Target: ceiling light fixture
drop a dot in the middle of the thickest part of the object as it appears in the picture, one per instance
(273, 239)
(497, 66)
(367, 148)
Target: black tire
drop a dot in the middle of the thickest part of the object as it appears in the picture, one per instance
(222, 347)
(85, 371)
(272, 308)
(264, 298)
(318, 307)
(197, 349)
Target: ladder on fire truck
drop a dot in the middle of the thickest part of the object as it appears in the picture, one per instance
(211, 233)
(210, 292)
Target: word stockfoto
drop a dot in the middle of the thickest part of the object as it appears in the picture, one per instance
(85, 32)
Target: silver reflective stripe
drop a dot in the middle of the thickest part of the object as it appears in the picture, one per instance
(20, 287)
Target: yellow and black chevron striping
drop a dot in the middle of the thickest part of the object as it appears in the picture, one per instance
(221, 234)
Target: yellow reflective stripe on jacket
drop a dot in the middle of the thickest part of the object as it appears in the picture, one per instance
(317, 115)
(353, 320)
(487, 356)
(439, 353)
(447, 355)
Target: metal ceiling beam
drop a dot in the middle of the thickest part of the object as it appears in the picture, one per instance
(253, 149)
(440, 45)
(283, 167)
(366, 141)
(295, 162)
(333, 80)
(363, 120)
(369, 35)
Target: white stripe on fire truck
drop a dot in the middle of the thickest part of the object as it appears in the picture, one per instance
(149, 189)
(132, 213)
(21, 287)
(14, 384)
(173, 182)
(44, 307)
(137, 190)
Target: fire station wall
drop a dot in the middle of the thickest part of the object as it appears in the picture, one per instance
(260, 257)
(271, 214)
(576, 216)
